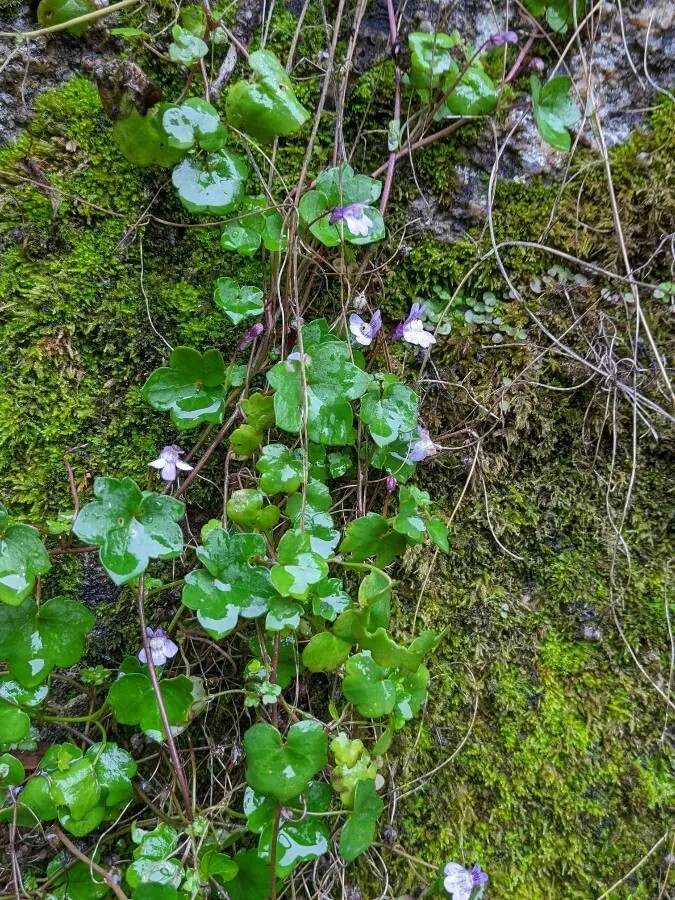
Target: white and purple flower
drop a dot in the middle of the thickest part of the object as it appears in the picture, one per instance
(354, 217)
(161, 647)
(365, 332)
(412, 329)
(460, 883)
(170, 462)
(423, 447)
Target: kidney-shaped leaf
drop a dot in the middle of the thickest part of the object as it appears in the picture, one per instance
(283, 769)
(229, 586)
(194, 122)
(131, 527)
(238, 302)
(265, 107)
(34, 640)
(191, 388)
(132, 701)
(554, 111)
(22, 558)
(299, 567)
(359, 829)
(212, 184)
(332, 380)
(336, 189)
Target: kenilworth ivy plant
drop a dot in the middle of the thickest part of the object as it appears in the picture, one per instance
(287, 586)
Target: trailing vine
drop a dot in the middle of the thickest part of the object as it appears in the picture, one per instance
(320, 427)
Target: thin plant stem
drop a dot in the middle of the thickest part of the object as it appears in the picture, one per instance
(173, 752)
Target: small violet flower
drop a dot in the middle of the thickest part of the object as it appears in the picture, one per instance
(412, 330)
(460, 883)
(391, 484)
(170, 461)
(503, 37)
(296, 356)
(353, 217)
(254, 332)
(161, 647)
(364, 332)
(423, 447)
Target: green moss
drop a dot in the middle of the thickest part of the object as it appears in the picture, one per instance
(563, 783)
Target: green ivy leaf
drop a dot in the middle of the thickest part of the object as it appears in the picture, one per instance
(339, 463)
(389, 409)
(229, 586)
(554, 111)
(430, 60)
(438, 532)
(283, 770)
(247, 507)
(340, 187)
(298, 566)
(244, 440)
(11, 770)
(257, 225)
(408, 520)
(281, 468)
(259, 410)
(371, 536)
(14, 724)
(130, 527)
(213, 863)
(332, 381)
(76, 787)
(313, 517)
(284, 615)
(238, 302)
(287, 663)
(56, 12)
(34, 640)
(132, 701)
(114, 768)
(325, 652)
(352, 764)
(159, 843)
(22, 558)
(394, 458)
(153, 890)
(34, 804)
(252, 881)
(329, 599)
(266, 107)
(191, 388)
(186, 48)
(368, 686)
(411, 692)
(212, 184)
(434, 69)
(77, 882)
(358, 832)
(300, 841)
(142, 140)
(194, 122)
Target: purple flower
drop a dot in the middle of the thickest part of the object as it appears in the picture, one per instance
(391, 484)
(479, 878)
(412, 329)
(169, 461)
(460, 883)
(364, 332)
(503, 37)
(254, 332)
(296, 356)
(354, 218)
(536, 63)
(423, 447)
(161, 647)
